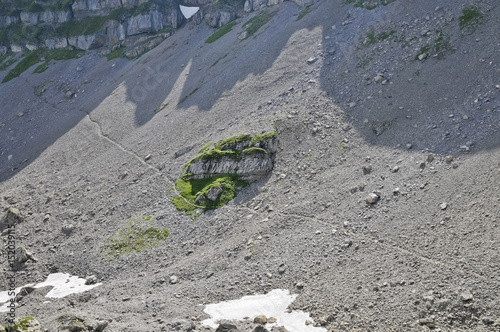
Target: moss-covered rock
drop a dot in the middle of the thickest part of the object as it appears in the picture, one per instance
(214, 177)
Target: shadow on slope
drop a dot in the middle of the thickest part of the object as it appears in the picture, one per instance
(444, 102)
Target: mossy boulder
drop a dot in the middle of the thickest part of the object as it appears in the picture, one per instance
(214, 177)
(250, 158)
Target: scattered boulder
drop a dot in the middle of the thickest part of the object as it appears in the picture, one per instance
(90, 280)
(261, 319)
(22, 255)
(11, 218)
(183, 151)
(251, 158)
(227, 327)
(372, 198)
(79, 323)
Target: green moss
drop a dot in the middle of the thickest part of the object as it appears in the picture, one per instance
(23, 324)
(232, 141)
(205, 148)
(369, 4)
(58, 54)
(441, 46)
(254, 151)
(190, 189)
(471, 18)
(118, 53)
(256, 22)
(34, 57)
(6, 63)
(259, 138)
(373, 38)
(136, 236)
(220, 32)
(303, 12)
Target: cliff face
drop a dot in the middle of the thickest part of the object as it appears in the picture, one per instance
(90, 24)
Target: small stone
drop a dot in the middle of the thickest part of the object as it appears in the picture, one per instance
(488, 320)
(466, 296)
(443, 206)
(430, 158)
(248, 256)
(46, 217)
(90, 280)
(147, 157)
(174, 279)
(272, 320)
(79, 69)
(429, 322)
(20, 114)
(367, 169)
(282, 269)
(69, 94)
(331, 52)
(422, 57)
(409, 146)
(13, 216)
(261, 319)
(372, 198)
(67, 228)
(312, 60)
(226, 327)
(300, 285)
(448, 159)
(378, 79)
(353, 104)
(395, 169)
(396, 191)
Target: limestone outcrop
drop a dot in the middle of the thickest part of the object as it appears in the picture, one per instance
(250, 158)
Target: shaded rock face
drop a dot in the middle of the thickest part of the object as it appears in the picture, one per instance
(249, 160)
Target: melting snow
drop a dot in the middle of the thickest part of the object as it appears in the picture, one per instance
(64, 284)
(273, 304)
(189, 11)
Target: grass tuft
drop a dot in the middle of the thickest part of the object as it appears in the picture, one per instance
(220, 32)
(34, 57)
(471, 18)
(256, 22)
(137, 235)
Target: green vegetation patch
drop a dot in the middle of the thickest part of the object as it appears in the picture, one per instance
(439, 47)
(303, 12)
(89, 25)
(118, 53)
(7, 60)
(220, 32)
(256, 22)
(137, 235)
(373, 38)
(195, 196)
(369, 4)
(265, 137)
(230, 143)
(34, 57)
(190, 189)
(23, 324)
(471, 18)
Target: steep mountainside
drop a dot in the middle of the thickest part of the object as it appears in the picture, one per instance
(381, 209)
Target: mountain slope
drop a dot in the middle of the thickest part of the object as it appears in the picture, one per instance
(356, 111)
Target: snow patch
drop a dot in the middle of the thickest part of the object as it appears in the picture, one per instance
(64, 284)
(189, 11)
(273, 304)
